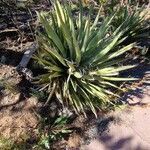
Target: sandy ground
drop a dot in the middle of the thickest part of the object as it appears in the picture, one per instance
(17, 117)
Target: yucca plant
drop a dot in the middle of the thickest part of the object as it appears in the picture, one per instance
(132, 20)
(80, 57)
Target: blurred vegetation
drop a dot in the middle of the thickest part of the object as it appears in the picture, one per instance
(18, 3)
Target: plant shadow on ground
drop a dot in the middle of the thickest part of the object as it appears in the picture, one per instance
(141, 89)
(109, 138)
(105, 140)
(122, 143)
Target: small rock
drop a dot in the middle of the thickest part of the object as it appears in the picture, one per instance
(9, 99)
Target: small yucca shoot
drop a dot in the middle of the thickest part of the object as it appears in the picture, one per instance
(80, 57)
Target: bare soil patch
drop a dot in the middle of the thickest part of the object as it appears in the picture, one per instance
(19, 119)
(17, 116)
